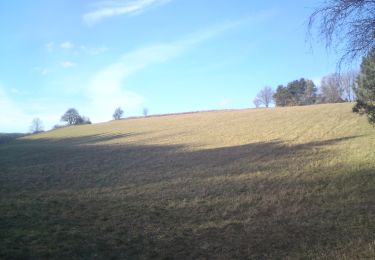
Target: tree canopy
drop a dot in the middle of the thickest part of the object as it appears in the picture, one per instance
(72, 117)
(296, 93)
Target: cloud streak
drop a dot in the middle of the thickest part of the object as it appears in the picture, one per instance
(66, 45)
(107, 9)
(106, 90)
(94, 50)
(68, 64)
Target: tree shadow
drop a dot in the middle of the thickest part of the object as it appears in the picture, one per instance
(259, 200)
(82, 162)
(73, 141)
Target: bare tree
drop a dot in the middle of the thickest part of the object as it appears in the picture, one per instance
(348, 25)
(145, 111)
(348, 82)
(118, 113)
(331, 89)
(257, 102)
(265, 96)
(36, 126)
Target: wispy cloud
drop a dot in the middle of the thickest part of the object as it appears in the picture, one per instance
(20, 113)
(66, 45)
(225, 102)
(317, 80)
(106, 90)
(17, 91)
(68, 64)
(106, 9)
(15, 118)
(94, 50)
(42, 71)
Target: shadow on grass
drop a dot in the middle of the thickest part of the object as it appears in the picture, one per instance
(260, 200)
(73, 164)
(73, 141)
(7, 138)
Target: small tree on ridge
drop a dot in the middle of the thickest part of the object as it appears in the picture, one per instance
(117, 115)
(71, 116)
(36, 126)
(265, 96)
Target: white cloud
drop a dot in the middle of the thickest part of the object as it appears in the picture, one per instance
(106, 93)
(19, 115)
(94, 50)
(106, 9)
(317, 80)
(16, 91)
(225, 102)
(66, 45)
(14, 119)
(68, 64)
(106, 90)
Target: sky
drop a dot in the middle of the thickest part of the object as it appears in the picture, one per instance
(169, 56)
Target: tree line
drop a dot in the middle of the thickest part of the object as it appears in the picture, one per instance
(72, 117)
(334, 88)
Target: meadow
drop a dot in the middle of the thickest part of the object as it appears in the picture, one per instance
(279, 183)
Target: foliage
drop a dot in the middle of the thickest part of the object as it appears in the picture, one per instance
(296, 93)
(72, 117)
(365, 90)
(117, 115)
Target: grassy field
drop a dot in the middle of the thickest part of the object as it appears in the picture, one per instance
(285, 183)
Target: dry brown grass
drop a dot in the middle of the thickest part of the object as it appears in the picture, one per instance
(272, 183)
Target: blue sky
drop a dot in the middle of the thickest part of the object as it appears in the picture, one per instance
(167, 55)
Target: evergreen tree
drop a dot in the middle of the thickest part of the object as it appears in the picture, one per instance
(296, 93)
(365, 90)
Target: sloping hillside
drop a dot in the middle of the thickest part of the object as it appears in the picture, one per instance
(270, 183)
